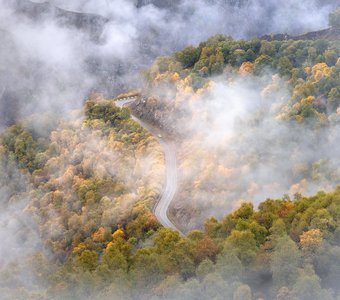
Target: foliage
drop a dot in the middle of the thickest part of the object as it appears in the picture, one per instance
(170, 263)
(310, 67)
(93, 182)
(188, 56)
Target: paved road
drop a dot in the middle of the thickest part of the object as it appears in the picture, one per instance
(162, 206)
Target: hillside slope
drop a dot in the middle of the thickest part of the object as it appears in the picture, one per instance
(238, 110)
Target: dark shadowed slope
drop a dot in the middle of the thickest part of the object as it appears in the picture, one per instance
(91, 23)
(331, 34)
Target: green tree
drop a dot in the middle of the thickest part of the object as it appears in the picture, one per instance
(88, 260)
(244, 212)
(285, 262)
(212, 227)
(285, 66)
(166, 240)
(229, 265)
(261, 63)
(267, 48)
(115, 260)
(334, 97)
(204, 268)
(260, 232)
(145, 269)
(308, 286)
(188, 56)
(244, 245)
(217, 64)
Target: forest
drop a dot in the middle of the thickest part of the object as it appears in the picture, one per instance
(104, 242)
(256, 127)
(271, 106)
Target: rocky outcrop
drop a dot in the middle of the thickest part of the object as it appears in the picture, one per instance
(90, 23)
(331, 34)
(154, 112)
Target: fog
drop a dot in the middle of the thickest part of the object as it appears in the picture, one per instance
(236, 146)
(51, 59)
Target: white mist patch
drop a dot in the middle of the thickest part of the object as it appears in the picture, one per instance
(19, 237)
(237, 149)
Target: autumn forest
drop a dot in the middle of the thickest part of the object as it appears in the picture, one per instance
(254, 125)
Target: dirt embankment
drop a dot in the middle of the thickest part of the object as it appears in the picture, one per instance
(149, 109)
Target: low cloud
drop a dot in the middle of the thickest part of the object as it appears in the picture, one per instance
(51, 59)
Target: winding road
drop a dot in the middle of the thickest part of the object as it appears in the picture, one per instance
(162, 206)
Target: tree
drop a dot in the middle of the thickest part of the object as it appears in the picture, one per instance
(167, 288)
(217, 64)
(334, 97)
(88, 260)
(238, 57)
(191, 289)
(244, 244)
(330, 262)
(285, 262)
(115, 260)
(261, 63)
(246, 68)
(188, 56)
(308, 286)
(166, 240)
(214, 287)
(277, 231)
(323, 220)
(244, 212)
(205, 267)
(205, 248)
(212, 227)
(250, 55)
(229, 265)
(311, 242)
(267, 213)
(331, 57)
(260, 232)
(267, 48)
(145, 270)
(182, 256)
(195, 235)
(118, 234)
(285, 66)
(243, 292)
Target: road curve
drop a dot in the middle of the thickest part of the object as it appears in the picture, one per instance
(162, 206)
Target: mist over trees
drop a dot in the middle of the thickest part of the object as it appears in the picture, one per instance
(55, 54)
(255, 123)
(286, 248)
(252, 119)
